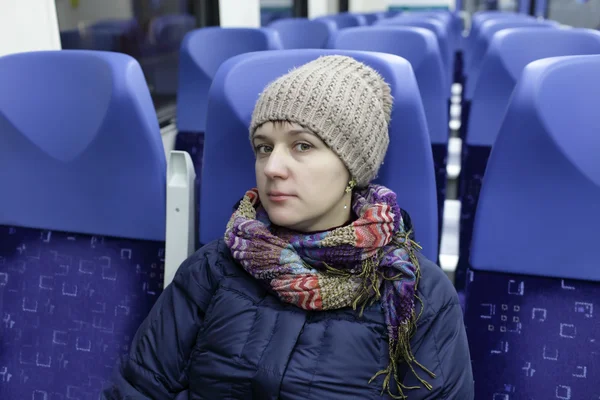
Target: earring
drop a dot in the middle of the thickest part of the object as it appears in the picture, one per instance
(350, 186)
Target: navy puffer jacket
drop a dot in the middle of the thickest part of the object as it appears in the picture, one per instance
(215, 333)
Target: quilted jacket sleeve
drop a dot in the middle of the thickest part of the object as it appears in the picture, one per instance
(155, 367)
(440, 342)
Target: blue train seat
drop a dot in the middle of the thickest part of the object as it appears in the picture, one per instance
(346, 20)
(510, 51)
(303, 33)
(439, 28)
(535, 283)
(82, 219)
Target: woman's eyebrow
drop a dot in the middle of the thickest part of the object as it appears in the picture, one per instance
(291, 132)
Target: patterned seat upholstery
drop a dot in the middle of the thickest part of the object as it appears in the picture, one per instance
(535, 281)
(82, 219)
(509, 52)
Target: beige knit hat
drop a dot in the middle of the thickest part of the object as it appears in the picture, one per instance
(345, 102)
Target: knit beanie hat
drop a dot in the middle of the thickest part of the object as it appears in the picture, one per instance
(343, 101)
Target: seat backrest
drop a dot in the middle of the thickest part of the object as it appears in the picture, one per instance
(346, 20)
(480, 18)
(543, 175)
(446, 18)
(82, 218)
(535, 278)
(420, 48)
(438, 27)
(232, 100)
(302, 33)
(373, 16)
(510, 51)
(483, 40)
(202, 52)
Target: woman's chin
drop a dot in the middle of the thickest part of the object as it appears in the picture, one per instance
(283, 218)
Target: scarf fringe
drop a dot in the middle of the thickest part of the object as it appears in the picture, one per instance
(400, 350)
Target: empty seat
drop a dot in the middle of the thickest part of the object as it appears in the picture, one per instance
(373, 16)
(531, 296)
(420, 47)
(439, 28)
(510, 51)
(478, 51)
(346, 20)
(82, 219)
(482, 42)
(202, 52)
(481, 17)
(302, 33)
(407, 169)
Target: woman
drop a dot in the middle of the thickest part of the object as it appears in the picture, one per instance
(317, 289)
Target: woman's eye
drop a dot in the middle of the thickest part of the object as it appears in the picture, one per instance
(302, 147)
(262, 149)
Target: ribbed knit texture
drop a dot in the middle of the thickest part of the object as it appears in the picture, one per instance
(345, 102)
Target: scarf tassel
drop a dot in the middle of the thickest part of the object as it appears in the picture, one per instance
(401, 350)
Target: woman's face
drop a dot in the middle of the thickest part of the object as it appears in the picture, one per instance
(301, 182)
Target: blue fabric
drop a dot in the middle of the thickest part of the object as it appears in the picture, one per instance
(202, 52)
(232, 99)
(532, 337)
(218, 334)
(303, 33)
(535, 281)
(484, 38)
(541, 189)
(81, 148)
(70, 306)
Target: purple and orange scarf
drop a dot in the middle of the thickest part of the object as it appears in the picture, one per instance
(372, 259)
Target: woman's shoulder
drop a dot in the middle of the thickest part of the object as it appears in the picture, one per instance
(211, 263)
(435, 288)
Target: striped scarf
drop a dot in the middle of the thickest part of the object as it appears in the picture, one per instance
(372, 259)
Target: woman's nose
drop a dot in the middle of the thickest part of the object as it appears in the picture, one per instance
(276, 166)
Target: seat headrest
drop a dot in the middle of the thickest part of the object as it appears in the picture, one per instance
(81, 148)
(539, 208)
(509, 52)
